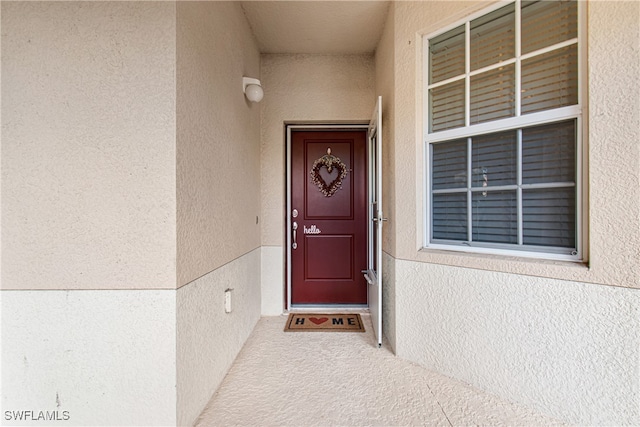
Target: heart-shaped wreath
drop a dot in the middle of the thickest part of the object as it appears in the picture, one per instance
(329, 162)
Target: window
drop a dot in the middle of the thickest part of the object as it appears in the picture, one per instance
(504, 132)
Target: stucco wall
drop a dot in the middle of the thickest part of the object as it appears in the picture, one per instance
(88, 211)
(208, 338)
(88, 145)
(306, 89)
(117, 115)
(104, 357)
(218, 138)
(614, 143)
(568, 349)
(561, 337)
(218, 197)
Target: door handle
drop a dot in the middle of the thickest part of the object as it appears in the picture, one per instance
(295, 231)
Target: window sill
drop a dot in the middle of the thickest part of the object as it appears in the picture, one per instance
(530, 266)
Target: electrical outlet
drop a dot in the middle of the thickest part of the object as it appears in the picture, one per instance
(227, 300)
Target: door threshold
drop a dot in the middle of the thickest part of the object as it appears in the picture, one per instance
(328, 308)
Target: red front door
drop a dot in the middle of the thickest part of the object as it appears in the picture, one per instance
(328, 217)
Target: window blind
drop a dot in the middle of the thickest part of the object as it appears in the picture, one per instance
(545, 23)
(447, 55)
(449, 165)
(450, 217)
(447, 106)
(493, 95)
(550, 80)
(549, 217)
(549, 153)
(486, 187)
(493, 38)
(494, 160)
(495, 217)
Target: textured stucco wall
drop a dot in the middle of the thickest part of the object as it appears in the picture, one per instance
(88, 145)
(218, 138)
(208, 338)
(614, 142)
(273, 277)
(562, 337)
(389, 306)
(568, 349)
(106, 357)
(303, 88)
(218, 197)
(115, 116)
(88, 185)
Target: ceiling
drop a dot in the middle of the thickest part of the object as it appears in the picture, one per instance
(316, 27)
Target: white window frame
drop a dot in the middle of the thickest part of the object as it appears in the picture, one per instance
(577, 112)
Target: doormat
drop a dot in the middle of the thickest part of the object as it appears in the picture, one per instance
(324, 322)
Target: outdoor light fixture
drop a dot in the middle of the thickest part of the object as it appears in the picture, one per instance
(252, 89)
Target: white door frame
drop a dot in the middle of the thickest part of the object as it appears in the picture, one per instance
(361, 126)
(376, 219)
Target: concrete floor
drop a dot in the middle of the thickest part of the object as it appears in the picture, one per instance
(343, 379)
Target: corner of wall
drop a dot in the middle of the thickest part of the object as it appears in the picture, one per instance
(389, 306)
(272, 280)
(218, 198)
(209, 338)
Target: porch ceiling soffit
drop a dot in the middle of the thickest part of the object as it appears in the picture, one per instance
(316, 27)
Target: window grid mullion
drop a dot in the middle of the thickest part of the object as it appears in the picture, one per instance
(548, 49)
(582, 53)
(543, 186)
(450, 190)
(429, 185)
(548, 185)
(469, 193)
(467, 78)
(578, 186)
(531, 119)
(467, 122)
(518, 60)
(446, 82)
(519, 190)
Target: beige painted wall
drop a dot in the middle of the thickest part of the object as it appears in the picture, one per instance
(218, 138)
(614, 142)
(88, 186)
(305, 88)
(218, 197)
(88, 145)
(568, 349)
(613, 151)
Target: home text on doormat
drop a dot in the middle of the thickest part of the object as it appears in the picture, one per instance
(324, 322)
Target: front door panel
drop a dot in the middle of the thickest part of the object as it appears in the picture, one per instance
(328, 217)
